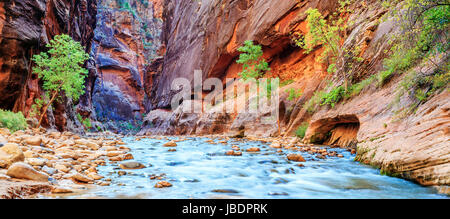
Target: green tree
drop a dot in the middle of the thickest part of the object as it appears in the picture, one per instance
(329, 37)
(254, 66)
(61, 70)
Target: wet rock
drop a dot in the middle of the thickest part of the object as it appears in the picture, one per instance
(276, 145)
(170, 144)
(228, 191)
(128, 157)
(278, 194)
(9, 154)
(81, 178)
(163, 184)
(321, 157)
(255, 149)
(95, 176)
(296, 158)
(131, 166)
(233, 153)
(24, 171)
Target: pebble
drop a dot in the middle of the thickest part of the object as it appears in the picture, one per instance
(163, 184)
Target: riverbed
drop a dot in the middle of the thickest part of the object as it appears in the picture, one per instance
(199, 169)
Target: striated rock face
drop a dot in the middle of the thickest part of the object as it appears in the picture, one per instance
(206, 36)
(125, 42)
(25, 27)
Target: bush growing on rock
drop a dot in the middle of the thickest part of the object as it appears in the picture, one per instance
(301, 131)
(61, 70)
(12, 121)
(253, 65)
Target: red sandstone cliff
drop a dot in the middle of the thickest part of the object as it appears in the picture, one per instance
(207, 36)
(25, 27)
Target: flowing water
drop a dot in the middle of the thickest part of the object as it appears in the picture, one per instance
(201, 170)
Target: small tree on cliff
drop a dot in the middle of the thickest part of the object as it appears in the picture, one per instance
(61, 70)
(330, 37)
(254, 66)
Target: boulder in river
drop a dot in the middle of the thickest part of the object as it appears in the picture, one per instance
(254, 149)
(163, 184)
(131, 165)
(170, 144)
(296, 158)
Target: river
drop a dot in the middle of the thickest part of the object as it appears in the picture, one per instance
(202, 170)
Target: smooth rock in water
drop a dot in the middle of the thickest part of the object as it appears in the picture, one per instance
(81, 178)
(233, 153)
(34, 140)
(253, 149)
(296, 158)
(231, 191)
(131, 166)
(163, 184)
(9, 154)
(275, 145)
(128, 157)
(95, 176)
(170, 144)
(24, 171)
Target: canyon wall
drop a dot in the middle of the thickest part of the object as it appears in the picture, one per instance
(127, 37)
(205, 35)
(25, 28)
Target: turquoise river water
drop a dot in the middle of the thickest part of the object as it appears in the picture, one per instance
(201, 170)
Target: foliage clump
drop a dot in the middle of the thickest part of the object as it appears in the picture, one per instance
(254, 66)
(61, 71)
(12, 121)
(301, 130)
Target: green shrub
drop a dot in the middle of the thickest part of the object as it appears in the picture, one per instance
(254, 66)
(12, 121)
(294, 94)
(301, 131)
